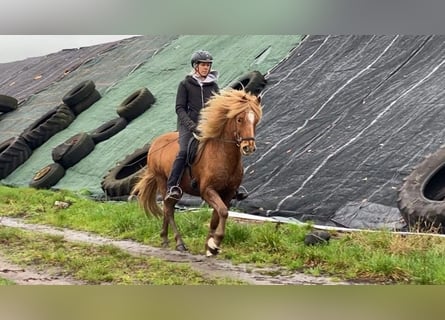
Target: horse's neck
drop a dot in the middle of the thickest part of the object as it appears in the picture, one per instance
(223, 148)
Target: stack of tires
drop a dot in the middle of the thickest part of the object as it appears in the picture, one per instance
(65, 155)
(48, 125)
(119, 181)
(132, 107)
(421, 198)
(13, 151)
(75, 101)
(80, 145)
(7, 103)
(81, 97)
(252, 82)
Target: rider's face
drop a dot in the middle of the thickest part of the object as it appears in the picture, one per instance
(203, 68)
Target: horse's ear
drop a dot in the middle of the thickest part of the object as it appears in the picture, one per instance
(258, 99)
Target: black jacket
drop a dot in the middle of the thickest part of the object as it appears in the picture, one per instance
(191, 97)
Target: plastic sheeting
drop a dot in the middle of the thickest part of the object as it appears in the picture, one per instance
(345, 119)
(157, 64)
(40, 83)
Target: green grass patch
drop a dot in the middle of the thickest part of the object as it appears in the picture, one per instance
(95, 264)
(380, 257)
(6, 282)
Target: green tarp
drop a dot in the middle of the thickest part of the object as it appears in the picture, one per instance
(156, 63)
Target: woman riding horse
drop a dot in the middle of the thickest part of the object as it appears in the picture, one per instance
(193, 92)
(227, 132)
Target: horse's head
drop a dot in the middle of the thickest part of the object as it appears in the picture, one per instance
(244, 134)
(232, 116)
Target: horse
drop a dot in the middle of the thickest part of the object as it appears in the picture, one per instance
(227, 125)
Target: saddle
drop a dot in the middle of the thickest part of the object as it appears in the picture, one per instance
(192, 149)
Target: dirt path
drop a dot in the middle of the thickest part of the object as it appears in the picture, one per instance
(207, 266)
(31, 276)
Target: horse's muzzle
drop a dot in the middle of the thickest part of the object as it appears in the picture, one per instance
(247, 147)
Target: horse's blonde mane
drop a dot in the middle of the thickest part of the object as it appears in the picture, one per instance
(224, 106)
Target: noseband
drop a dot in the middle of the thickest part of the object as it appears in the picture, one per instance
(239, 139)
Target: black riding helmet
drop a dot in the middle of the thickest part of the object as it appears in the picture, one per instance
(201, 56)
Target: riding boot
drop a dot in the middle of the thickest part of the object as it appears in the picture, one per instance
(173, 189)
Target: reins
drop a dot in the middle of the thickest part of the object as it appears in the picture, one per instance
(238, 139)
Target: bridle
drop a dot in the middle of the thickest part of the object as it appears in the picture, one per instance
(238, 138)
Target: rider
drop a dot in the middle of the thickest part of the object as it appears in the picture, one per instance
(193, 92)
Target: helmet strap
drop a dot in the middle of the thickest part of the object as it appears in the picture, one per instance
(196, 68)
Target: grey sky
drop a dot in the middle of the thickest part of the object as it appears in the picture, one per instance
(19, 47)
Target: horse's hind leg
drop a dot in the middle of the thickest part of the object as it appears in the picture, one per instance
(162, 185)
(169, 218)
(164, 231)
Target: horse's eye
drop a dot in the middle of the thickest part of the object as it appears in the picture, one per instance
(239, 120)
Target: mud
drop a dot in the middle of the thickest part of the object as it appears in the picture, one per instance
(32, 276)
(210, 267)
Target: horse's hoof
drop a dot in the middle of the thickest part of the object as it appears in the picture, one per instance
(212, 252)
(209, 254)
(213, 249)
(181, 247)
(164, 244)
(212, 244)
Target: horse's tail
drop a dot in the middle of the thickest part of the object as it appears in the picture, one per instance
(146, 191)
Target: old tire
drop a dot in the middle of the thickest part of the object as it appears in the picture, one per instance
(79, 93)
(7, 103)
(73, 150)
(47, 125)
(421, 199)
(85, 104)
(252, 82)
(121, 179)
(47, 176)
(108, 129)
(135, 104)
(13, 152)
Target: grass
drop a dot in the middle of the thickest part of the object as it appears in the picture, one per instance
(95, 264)
(375, 257)
(6, 282)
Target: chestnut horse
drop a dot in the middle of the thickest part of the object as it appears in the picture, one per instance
(227, 125)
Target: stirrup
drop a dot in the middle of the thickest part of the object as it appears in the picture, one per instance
(174, 192)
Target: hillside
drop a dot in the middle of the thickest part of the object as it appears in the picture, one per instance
(346, 118)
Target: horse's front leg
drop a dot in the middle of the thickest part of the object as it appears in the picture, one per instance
(214, 221)
(217, 223)
(169, 218)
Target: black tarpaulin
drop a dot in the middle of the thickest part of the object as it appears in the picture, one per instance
(345, 119)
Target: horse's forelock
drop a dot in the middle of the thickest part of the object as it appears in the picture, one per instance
(223, 106)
